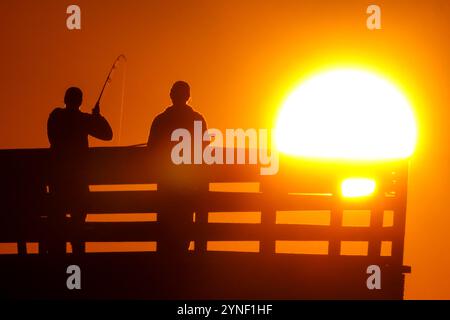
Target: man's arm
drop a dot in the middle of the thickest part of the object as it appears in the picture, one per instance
(51, 128)
(99, 127)
(151, 134)
(204, 125)
(204, 128)
(154, 135)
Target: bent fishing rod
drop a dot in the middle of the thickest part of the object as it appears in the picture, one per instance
(121, 57)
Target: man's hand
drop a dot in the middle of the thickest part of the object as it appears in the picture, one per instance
(96, 109)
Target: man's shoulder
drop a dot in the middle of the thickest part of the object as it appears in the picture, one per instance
(198, 115)
(56, 113)
(86, 115)
(192, 113)
(58, 110)
(171, 113)
(63, 113)
(163, 115)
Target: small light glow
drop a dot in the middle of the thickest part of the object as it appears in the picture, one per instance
(358, 187)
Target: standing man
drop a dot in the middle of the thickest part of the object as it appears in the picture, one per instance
(68, 130)
(178, 184)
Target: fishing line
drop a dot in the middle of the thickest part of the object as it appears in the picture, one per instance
(122, 103)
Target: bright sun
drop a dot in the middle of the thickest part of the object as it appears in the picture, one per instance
(346, 114)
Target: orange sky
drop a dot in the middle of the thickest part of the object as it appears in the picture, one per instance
(241, 58)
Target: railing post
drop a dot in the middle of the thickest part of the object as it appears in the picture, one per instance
(337, 211)
(401, 184)
(376, 223)
(201, 222)
(201, 217)
(334, 246)
(268, 216)
(21, 248)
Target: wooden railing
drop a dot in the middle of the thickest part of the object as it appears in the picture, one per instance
(298, 186)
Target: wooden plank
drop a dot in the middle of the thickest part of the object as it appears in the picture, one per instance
(151, 231)
(124, 202)
(150, 201)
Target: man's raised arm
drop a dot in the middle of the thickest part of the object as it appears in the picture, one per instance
(99, 127)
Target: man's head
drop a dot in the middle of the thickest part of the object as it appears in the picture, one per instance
(73, 98)
(180, 93)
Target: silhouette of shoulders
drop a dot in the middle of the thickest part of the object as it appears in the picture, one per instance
(174, 117)
(179, 114)
(71, 128)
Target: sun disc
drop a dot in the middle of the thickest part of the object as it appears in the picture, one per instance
(346, 114)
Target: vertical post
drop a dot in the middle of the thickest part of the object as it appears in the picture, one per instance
(201, 209)
(334, 246)
(201, 222)
(376, 222)
(401, 183)
(268, 216)
(21, 248)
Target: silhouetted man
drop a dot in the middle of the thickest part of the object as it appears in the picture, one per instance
(178, 184)
(68, 130)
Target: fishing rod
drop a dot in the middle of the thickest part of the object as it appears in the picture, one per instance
(108, 80)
